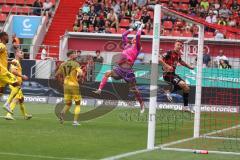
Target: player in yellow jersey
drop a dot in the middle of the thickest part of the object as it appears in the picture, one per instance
(5, 76)
(16, 70)
(71, 73)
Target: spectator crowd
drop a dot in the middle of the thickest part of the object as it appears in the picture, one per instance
(115, 16)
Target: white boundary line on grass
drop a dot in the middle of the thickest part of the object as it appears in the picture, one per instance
(128, 154)
(192, 150)
(223, 138)
(220, 131)
(165, 146)
(37, 156)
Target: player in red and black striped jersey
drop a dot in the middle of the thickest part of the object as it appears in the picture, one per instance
(169, 61)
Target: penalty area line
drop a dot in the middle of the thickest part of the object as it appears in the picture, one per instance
(38, 156)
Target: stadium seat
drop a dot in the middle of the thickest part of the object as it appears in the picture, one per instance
(150, 32)
(176, 33)
(187, 34)
(164, 4)
(121, 30)
(164, 1)
(20, 2)
(2, 1)
(167, 24)
(151, 14)
(90, 28)
(3, 17)
(124, 23)
(12, 2)
(16, 10)
(185, 1)
(29, 2)
(6, 8)
(230, 35)
(176, 1)
(208, 35)
(166, 33)
(183, 7)
(26, 10)
(238, 36)
(112, 30)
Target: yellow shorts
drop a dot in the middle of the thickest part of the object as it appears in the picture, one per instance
(72, 93)
(7, 78)
(19, 95)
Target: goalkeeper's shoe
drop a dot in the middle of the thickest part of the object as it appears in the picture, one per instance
(9, 117)
(188, 109)
(28, 117)
(142, 108)
(99, 91)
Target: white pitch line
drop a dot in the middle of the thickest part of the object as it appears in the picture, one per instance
(128, 154)
(38, 156)
(220, 131)
(192, 150)
(223, 138)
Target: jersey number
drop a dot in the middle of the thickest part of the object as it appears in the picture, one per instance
(67, 70)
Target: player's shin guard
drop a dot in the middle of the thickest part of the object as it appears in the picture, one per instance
(23, 109)
(185, 99)
(13, 93)
(76, 112)
(103, 82)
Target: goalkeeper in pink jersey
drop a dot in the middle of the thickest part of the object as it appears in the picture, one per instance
(124, 70)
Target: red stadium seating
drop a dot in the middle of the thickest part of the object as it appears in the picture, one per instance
(20, 2)
(187, 34)
(6, 8)
(176, 33)
(183, 7)
(230, 36)
(167, 24)
(10, 2)
(185, 1)
(112, 30)
(164, 4)
(26, 10)
(90, 28)
(166, 1)
(124, 23)
(151, 14)
(208, 35)
(2, 1)
(176, 1)
(121, 30)
(166, 33)
(30, 2)
(150, 32)
(3, 17)
(16, 9)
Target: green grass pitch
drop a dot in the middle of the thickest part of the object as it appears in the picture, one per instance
(117, 132)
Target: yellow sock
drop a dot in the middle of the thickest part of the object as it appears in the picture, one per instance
(76, 112)
(23, 109)
(14, 91)
(13, 105)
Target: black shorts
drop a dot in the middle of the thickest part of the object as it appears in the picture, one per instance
(172, 78)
